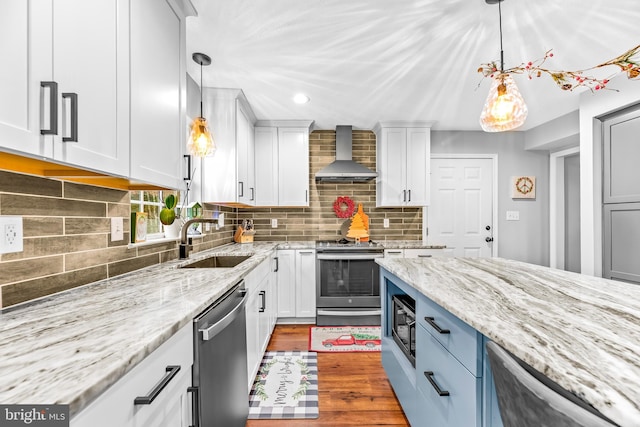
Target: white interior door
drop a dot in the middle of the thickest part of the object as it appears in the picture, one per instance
(461, 212)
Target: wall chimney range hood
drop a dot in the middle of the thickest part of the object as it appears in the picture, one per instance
(344, 168)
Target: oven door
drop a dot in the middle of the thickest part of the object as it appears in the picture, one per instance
(347, 289)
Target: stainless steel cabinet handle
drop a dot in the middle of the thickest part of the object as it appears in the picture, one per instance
(241, 189)
(277, 264)
(253, 193)
(434, 325)
(305, 252)
(394, 252)
(263, 296)
(404, 195)
(171, 372)
(409, 196)
(74, 117)
(424, 256)
(436, 387)
(53, 108)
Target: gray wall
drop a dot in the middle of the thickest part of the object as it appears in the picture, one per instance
(527, 239)
(572, 213)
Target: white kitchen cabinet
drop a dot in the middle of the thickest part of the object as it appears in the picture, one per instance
(296, 285)
(115, 407)
(81, 48)
(282, 166)
(228, 176)
(403, 158)
(261, 311)
(98, 85)
(158, 92)
(306, 283)
(415, 253)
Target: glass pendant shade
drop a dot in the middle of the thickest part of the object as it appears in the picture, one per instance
(201, 143)
(504, 108)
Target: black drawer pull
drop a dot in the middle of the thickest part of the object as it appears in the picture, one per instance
(171, 372)
(431, 321)
(429, 375)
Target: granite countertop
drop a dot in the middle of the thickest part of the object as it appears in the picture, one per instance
(408, 244)
(582, 332)
(70, 347)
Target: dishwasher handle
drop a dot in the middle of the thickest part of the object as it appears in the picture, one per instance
(211, 331)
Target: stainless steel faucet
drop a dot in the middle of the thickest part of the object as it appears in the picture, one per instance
(185, 246)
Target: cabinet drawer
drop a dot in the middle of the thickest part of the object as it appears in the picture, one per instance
(461, 406)
(460, 339)
(401, 375)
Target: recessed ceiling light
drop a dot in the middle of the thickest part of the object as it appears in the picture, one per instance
(301, 98)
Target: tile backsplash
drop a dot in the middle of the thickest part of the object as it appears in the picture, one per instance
(67, 243)
(66, 225)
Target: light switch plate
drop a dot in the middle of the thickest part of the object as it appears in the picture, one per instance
(220, 220)
(117, 228)
(513, 215)
(274, 223)
(10, 234)
(385, 223)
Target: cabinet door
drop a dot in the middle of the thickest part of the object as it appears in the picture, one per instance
(286, 287)
(391, 183)
(418, 169)
(306, 283)
(25, 31)
(253, 335)
(91, 59)
(293, 166)
(157, 86)
(266, 166)
(245, 158)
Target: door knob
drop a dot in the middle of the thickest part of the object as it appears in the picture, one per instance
(488, 239)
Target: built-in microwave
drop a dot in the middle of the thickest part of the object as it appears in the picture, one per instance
(404, 325)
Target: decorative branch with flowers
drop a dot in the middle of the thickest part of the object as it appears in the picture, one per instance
(628, 62)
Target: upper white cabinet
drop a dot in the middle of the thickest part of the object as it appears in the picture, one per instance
(70, 59)
(98, 85)
(158, 92)
(403, 157)
(282, 165)
(228, 175)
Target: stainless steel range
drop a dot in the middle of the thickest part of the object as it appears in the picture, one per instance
(348, 284)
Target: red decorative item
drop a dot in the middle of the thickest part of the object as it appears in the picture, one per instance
(344, 207)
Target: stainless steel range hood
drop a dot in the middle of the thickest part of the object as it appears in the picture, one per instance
(344, 168)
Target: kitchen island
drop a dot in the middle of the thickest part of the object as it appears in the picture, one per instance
(580, 331)
(70, 347)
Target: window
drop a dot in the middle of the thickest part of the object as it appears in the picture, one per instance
(151, 202)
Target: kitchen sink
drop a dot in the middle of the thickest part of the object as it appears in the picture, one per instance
(218, 261)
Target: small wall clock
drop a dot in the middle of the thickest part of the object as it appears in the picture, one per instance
(523, 187)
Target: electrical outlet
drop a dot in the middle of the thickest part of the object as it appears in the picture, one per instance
(220, 220)
(117, 229)
(10, 234)
(274, 223)
(385, 223)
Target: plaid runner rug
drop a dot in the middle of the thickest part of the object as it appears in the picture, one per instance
(286, 386)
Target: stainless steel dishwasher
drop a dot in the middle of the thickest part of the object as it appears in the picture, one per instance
(220, 362)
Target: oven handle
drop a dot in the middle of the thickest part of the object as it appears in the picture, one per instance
(353, 313)
(343, 256)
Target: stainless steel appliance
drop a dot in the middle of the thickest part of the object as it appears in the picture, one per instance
(404, 325)
(347, 283)
(220, 362)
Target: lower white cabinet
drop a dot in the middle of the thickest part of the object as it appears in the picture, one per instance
(296, 284)
(261, 313)
(171, 407)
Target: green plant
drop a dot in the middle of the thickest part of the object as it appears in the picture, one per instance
(168, 213)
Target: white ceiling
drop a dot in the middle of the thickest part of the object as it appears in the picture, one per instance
(363, 61)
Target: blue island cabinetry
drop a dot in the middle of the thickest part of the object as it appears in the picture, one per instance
(451, 383)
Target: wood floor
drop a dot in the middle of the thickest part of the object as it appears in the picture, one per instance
(353, 388)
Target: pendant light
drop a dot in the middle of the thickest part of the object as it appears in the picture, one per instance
(201, 142)
(504, 108)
